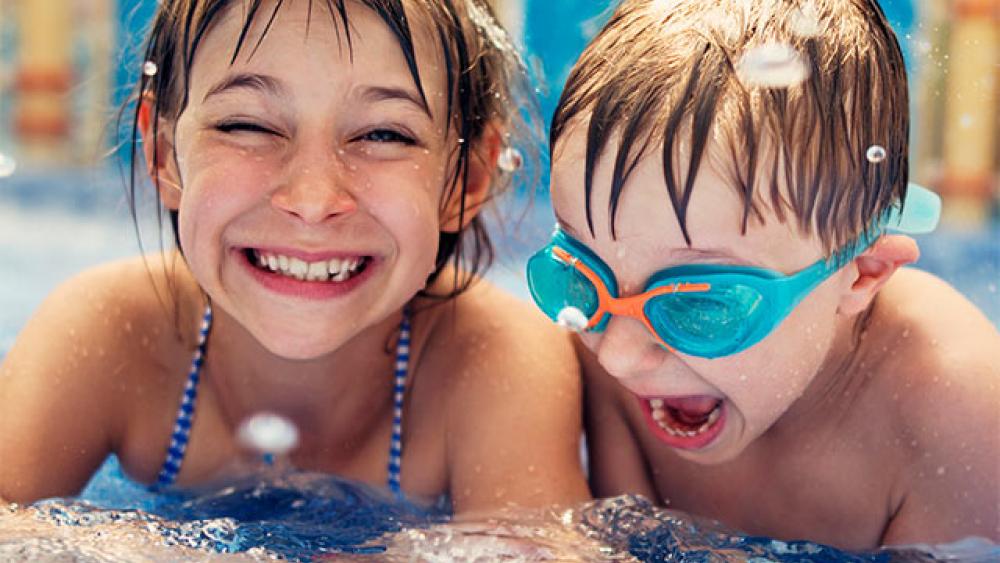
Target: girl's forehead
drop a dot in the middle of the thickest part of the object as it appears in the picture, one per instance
(353, 34)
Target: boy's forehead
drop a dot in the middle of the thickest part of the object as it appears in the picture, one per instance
(645, 214)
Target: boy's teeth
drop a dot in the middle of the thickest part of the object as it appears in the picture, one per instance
(335, 269)
(662, 420)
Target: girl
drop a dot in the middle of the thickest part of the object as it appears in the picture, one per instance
(321, 162)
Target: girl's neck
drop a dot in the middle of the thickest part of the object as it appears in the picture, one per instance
(354, 380)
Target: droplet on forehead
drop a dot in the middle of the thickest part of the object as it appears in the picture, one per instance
(572, 318)
(875, 154)
(510, 159)
(149, 68)
(268, 433)
(7, 166)
(772, 65)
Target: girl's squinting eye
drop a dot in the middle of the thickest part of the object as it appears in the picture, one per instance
(242, 126)
(387, 136)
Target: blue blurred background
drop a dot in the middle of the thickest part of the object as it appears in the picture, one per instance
(66, 66)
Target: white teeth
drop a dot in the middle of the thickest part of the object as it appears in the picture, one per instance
(298, 268)
(660, 417)
(317, 271)
(333, 266)
(335, 269)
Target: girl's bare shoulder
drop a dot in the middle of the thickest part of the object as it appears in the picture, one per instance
(122, 313)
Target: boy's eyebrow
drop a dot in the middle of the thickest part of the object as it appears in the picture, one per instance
(251, 81)
(381, 93)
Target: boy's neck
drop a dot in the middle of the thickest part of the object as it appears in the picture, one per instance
(843, 378)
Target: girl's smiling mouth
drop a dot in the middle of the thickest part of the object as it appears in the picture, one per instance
(689, 423)
(307, 275)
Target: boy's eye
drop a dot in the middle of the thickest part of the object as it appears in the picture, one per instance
(386, 136)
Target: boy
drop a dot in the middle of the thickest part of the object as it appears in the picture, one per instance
(727, 178)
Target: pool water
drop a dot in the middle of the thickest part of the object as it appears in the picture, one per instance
(55, 224)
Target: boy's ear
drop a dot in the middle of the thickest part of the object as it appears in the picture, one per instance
(874, 267)
(159, 164)
(482, 164)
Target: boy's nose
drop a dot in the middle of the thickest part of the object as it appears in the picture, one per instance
(627, 349)
(314, 194)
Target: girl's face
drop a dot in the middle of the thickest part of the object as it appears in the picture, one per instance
(712, 409)
(311, 182)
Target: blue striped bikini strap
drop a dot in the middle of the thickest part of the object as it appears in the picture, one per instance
(185, 413)
(182, 424)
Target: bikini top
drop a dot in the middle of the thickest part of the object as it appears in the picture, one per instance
(185, 413)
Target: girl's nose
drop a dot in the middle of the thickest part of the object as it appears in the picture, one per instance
(627, 349)
(314, 195)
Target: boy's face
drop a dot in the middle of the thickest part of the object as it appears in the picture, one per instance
(708, 410)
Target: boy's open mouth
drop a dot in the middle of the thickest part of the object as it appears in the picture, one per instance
(685, 422)
(335, 270)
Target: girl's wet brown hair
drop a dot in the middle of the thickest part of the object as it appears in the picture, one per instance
(486, 81)
(665, 73)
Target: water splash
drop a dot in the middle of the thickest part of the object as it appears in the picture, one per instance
(7, 165)
(510, 160)
(572, 318)
(772, 65)
(875, 154)
(268, 434)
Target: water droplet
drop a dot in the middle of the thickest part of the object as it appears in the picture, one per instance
(510, 160)
(941, 470)
(805, 21)
(572, 318)
(965, 121)
(7, 166)
(268, 433)
(149, 68)
(875, 154)
(992, 287)
(772, 65)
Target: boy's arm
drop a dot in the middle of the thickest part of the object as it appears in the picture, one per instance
(54, 402)
(617, 463)
(513, 412)
(952, 490)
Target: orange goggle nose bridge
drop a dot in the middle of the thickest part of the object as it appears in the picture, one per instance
(631, 306)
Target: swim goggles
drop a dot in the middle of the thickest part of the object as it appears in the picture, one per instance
(705, 310)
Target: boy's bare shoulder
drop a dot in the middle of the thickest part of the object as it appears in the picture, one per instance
(943, 347)
(943, 372)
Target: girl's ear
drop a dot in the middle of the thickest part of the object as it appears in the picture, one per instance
(482, 164)
(158, 149)
(874, 267)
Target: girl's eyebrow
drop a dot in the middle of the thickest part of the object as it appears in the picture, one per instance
(252, 81)
(380, 93)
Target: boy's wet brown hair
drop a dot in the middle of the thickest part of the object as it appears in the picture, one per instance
(666, 73)
(486, 80)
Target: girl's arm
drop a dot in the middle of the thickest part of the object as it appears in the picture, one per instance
(57, 393)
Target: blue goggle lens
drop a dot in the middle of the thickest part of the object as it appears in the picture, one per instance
(555, 285)
(708, 324)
